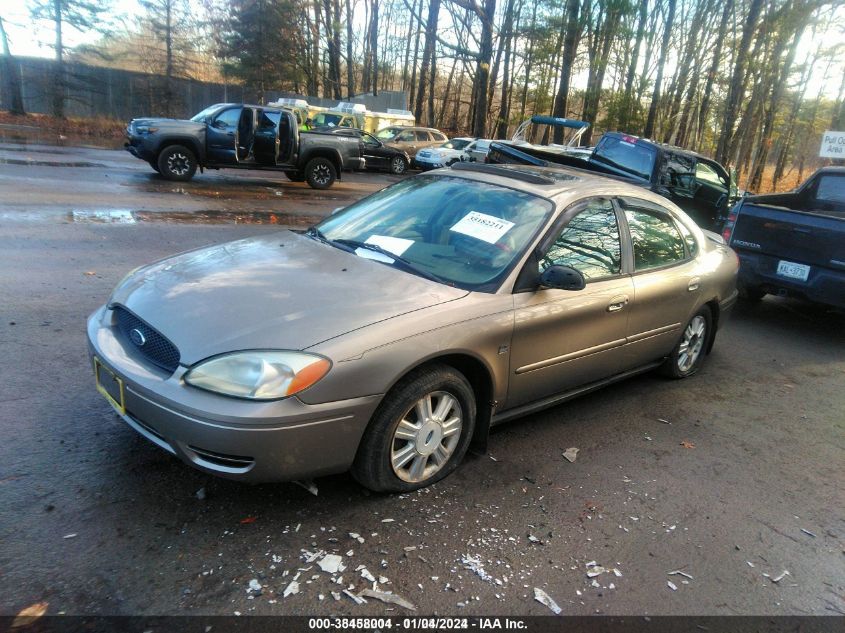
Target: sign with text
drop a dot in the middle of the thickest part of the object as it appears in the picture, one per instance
(833, 145)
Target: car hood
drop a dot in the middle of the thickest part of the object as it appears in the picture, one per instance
(281, 291)
(443, 152)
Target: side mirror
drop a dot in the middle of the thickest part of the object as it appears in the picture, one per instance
(562, 278)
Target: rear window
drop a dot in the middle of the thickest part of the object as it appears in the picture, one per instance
(625, 156)
(831, 189)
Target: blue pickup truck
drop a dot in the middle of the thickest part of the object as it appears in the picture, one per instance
(793, 244)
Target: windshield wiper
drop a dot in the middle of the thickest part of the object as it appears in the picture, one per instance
(403, 263)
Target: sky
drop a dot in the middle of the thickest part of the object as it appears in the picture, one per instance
(28, 38)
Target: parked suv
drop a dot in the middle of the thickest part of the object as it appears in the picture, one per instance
(240, 136)
(411, 139)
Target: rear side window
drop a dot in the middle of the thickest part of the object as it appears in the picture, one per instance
(406, 137)
(422, 136)
(438, 136)
(589, 243)
(831, 189)
(655, 238)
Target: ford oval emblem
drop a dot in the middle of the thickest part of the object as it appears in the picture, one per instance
(137, 337)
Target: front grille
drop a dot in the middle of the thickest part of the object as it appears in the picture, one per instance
(146, 340)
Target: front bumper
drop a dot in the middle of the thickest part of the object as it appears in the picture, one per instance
(823, 285)
(139, 147)
(281, 440)
(425, 164)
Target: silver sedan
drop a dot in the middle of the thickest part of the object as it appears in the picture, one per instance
(396, 332)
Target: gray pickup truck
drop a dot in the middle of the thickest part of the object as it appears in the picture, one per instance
(793, 244)
(240, 136)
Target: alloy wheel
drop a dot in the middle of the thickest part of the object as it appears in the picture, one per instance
(692, 343)
(178, 164)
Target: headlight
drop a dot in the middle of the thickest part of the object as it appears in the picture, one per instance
(145, 129)
(259, 375)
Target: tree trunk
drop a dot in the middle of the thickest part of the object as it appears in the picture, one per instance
(528, 63)
(501, 129)
(737, 87)
(482, 73)
(627, 102)
(12, 78)
(374, 34)
(58, 86)
(428, 55)
(350, 65)
(570, 47)
(648, 132)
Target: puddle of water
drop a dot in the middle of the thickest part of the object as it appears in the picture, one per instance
(112, 216)
(47, 163)
(33, 150)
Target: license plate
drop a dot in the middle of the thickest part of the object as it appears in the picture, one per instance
(793, 271)
(110, 386)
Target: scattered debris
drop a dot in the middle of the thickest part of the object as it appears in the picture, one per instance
(331, 563)
(807, 532)
(356, 536)
(309, 485)
(72, 535)
(366, 575)
(26, 617)
(390, 598)
(292, 588)
(594, 570)
(354, 598)
(543, 598)
(534, 539)
(663, 421)
(671, 585)
(782, 575)
(687, 444)
(678, 572)
(570, 454)
(475, 565)
(387, 520)
(335, 595)
(617, 573)
(750, 564)
(249, 520)
(200, 494)
(410, 548)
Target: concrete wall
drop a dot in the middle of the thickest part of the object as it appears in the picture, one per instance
(93, 91)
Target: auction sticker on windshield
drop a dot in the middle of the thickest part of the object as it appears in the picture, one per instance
(396, 245)
(482, 227)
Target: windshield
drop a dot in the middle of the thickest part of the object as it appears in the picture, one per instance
(464, 232)
(388, 133)
(455, 143)
(200, 117)
(328, 120)
(627, 157)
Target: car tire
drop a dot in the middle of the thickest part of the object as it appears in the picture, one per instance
(320, 173)
(419, 433)
(154, 165)
(688, 355)
(452, 162)
(398, 166)
(295, 176)
(177, 162)
(751, 293)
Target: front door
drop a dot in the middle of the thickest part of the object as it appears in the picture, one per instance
(222, 136)
(563, 339)
(374, 152)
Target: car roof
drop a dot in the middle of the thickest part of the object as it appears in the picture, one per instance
(553, 182)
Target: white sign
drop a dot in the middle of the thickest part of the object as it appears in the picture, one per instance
(396, 245)
(833, 145)
(481, 226)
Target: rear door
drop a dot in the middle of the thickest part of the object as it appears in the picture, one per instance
(222, 136)
(666, 279)
(267, 143)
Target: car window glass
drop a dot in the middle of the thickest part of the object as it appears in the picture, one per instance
(626, 155)
(438, 136)
(230, 117)
(423, 136)
(369, 139)
(469, 233)
(689, 238)
(656, 239)
(455, 143)
(705, 172)
(831, 189)
(589, 243)
(678, 172)
(405, 137)
(268, 119)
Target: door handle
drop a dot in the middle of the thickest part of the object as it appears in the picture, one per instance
(694, 283)
(617, 303)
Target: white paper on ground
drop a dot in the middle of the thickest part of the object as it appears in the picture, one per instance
(481, 226)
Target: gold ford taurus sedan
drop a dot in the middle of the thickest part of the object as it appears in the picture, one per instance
(393, 334)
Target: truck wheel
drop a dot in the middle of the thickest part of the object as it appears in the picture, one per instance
(177, 162)
(398, 166)
(295, 176)
(320, 173)
(154, 165)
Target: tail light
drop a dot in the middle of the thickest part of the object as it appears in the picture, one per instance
(730, 223)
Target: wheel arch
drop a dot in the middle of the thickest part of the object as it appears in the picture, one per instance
(713, 304)
(189, 142)
(332, 155)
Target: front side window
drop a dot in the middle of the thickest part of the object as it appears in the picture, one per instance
(589, 243)
(626, 155)
(406, 137)
(656, 240)
(465, 232)
(229, 118)
(387, 133)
